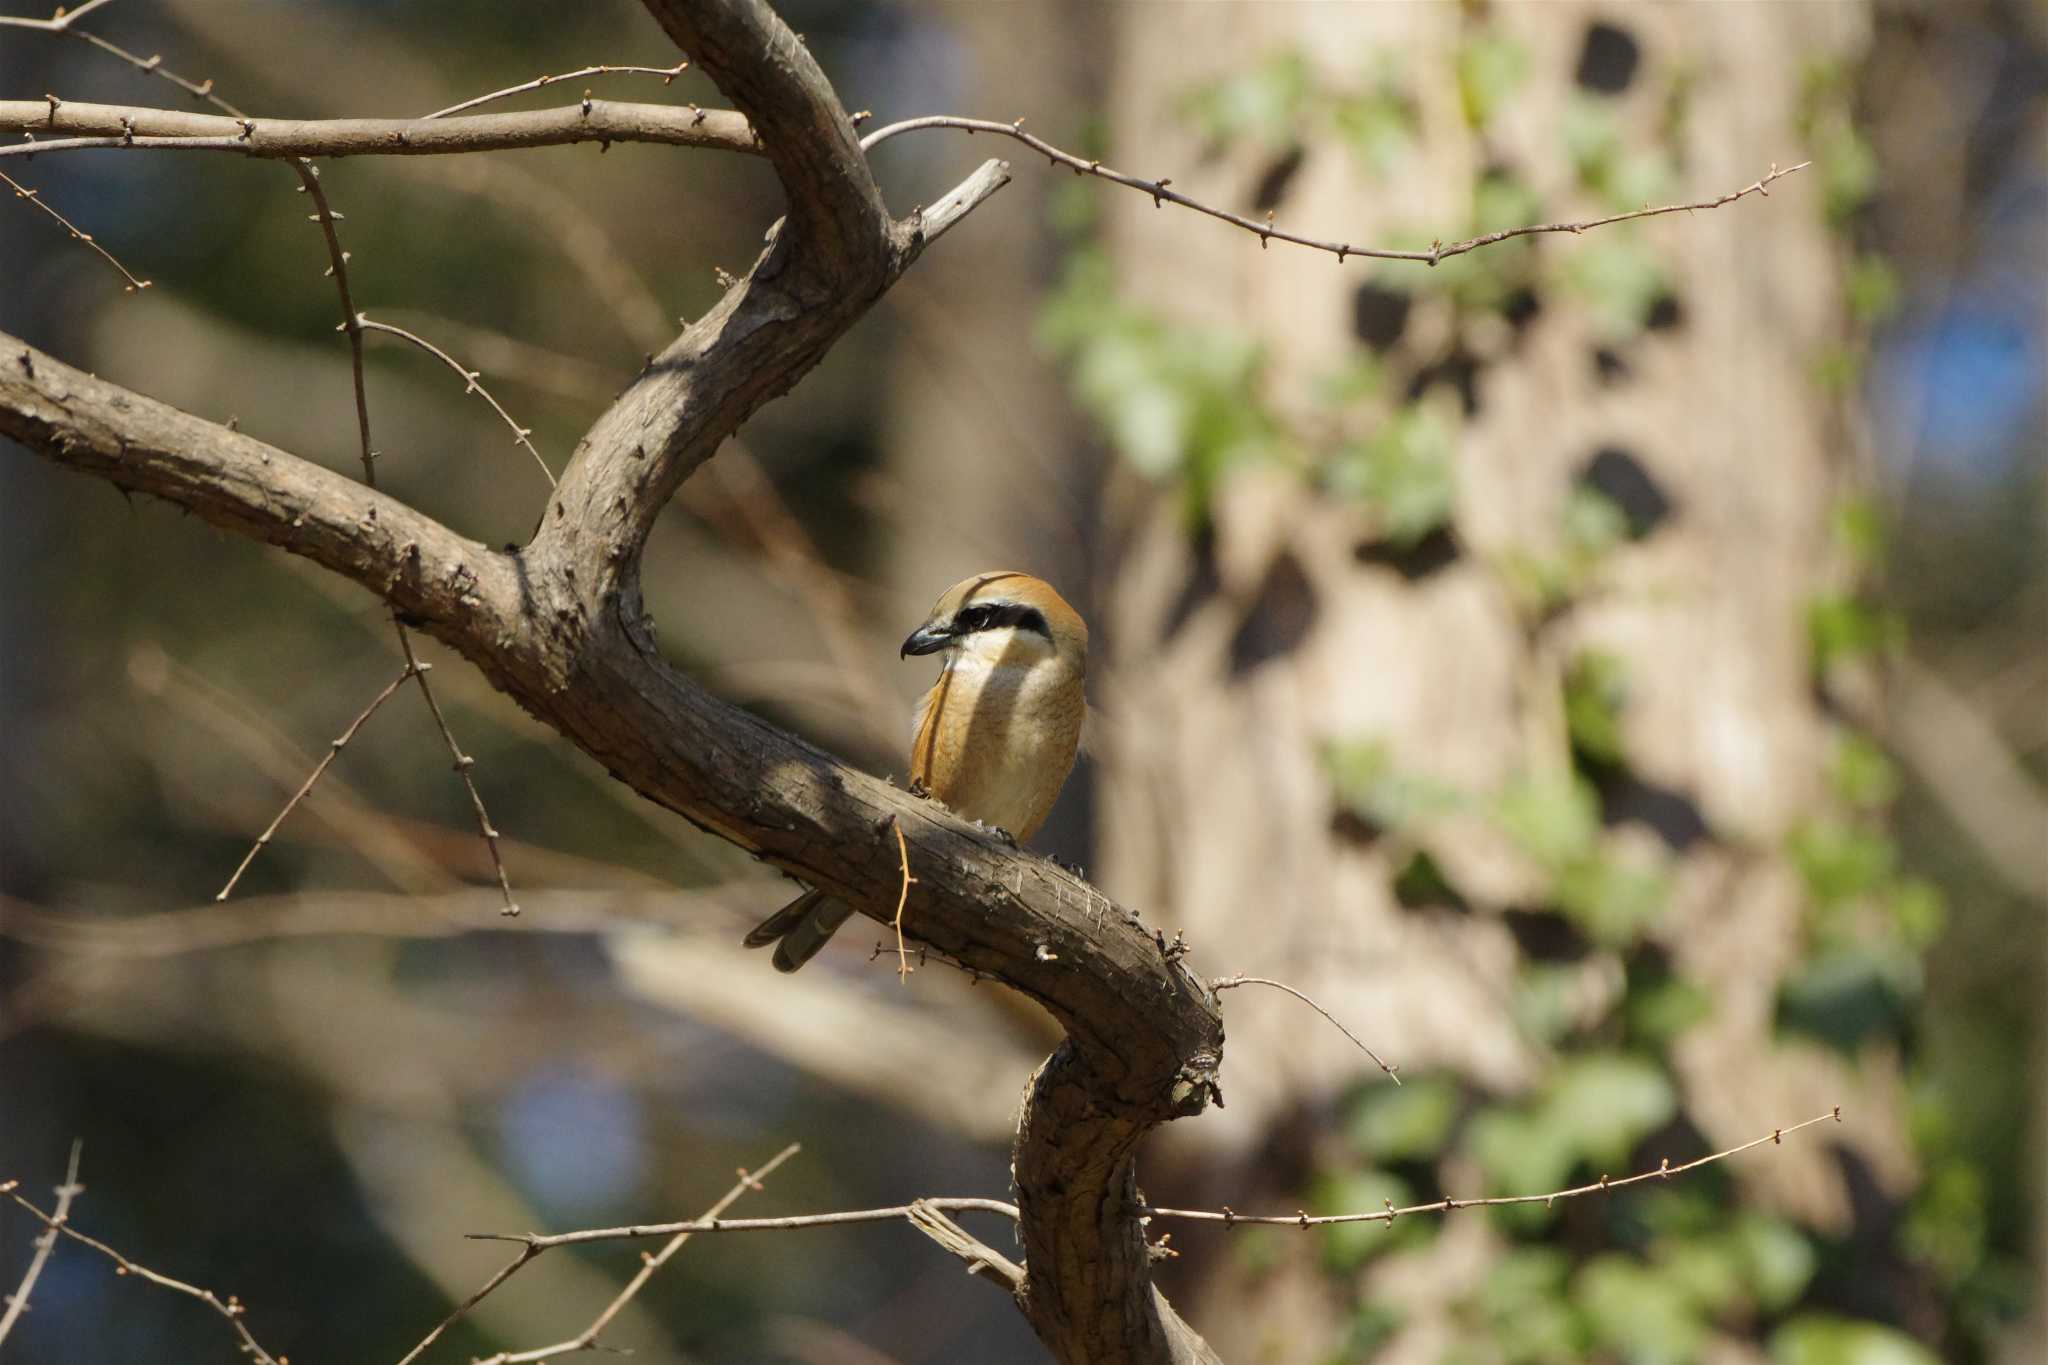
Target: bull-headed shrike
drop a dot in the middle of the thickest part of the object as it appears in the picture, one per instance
(995, 737)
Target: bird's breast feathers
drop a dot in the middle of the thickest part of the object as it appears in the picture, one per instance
(996, 742)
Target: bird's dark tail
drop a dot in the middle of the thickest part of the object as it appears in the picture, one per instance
(798, 930)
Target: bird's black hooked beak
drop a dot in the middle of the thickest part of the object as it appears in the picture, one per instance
(929, 638)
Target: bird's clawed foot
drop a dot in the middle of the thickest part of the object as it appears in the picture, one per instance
(998, 832)
(1071, 869)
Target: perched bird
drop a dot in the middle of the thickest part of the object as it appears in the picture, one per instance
(995, 737)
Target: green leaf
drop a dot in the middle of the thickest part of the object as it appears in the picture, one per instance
(1555, 820)
(1606, 1103)
(1266, 103)
(1861, 774)
(1595, 692)
(1405, 471)
(1524, 1303)
(1644, 1315)
(1366, 782)
(1620, 281)
(1547, 1000)
(1873, 289)
(1660, 1011)
(1490, 67)
(1841, 628)
(1347, 1246)
(1592, 139)
(1378, 124)
(1421, 882)
(1609, 899)
(1777, 1259)
(1358, 378)
(1859, 529)
(1841, 862)
(1822, 1339)
(1919, 912)
(1947, 1225)
(1501, 201)
(1403, 1123)
(1521, 1152)
(1178, 403)
(1593, 525)
(1709, 1270)
(1848, 170)
(1595, 1110)
(1843, 995)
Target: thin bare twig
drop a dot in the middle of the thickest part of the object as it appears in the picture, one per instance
(351, 320)
(1231, 982)
(949, 1204)
(463, 764)
(152, 65)
(230, 1308)
(1665, 1170)
(231, 718)
(17, 1302)
(1265, 230)
(59, 22)
(667, 74)
(903, 968)
(34, 197)
(319, 770)
(588, 1337)
(473, 383)
(353, 323)
(586, 1340)
(518, 360)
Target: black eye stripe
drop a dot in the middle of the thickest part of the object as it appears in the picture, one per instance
(996, 615)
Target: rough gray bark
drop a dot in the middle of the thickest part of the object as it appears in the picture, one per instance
(559, 626)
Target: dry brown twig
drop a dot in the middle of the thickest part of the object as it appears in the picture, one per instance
(334, 749)
(1240, 979)
(1265, 231)
(58, 1224)
(78, 234)
(1665, 1170)
(667, 74)
(472, 383)
(354, 324)
(17, 1302)
(60, 22)
(587, 1339)
(903, 967)
(153, 65)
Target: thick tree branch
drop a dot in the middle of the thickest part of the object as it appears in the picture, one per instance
(243, 485)
(766, 70)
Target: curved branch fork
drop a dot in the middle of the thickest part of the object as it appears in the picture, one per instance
(559, 626)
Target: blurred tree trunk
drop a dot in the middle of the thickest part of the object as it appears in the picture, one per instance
(1666, 368)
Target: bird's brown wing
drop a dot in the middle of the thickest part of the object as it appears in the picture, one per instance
(924, 743)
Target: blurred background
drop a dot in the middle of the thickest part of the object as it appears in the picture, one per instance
(1607, 671)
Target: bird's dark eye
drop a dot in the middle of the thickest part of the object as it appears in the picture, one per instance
(995, 615)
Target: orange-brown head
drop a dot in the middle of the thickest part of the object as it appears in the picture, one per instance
(1004, 618)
